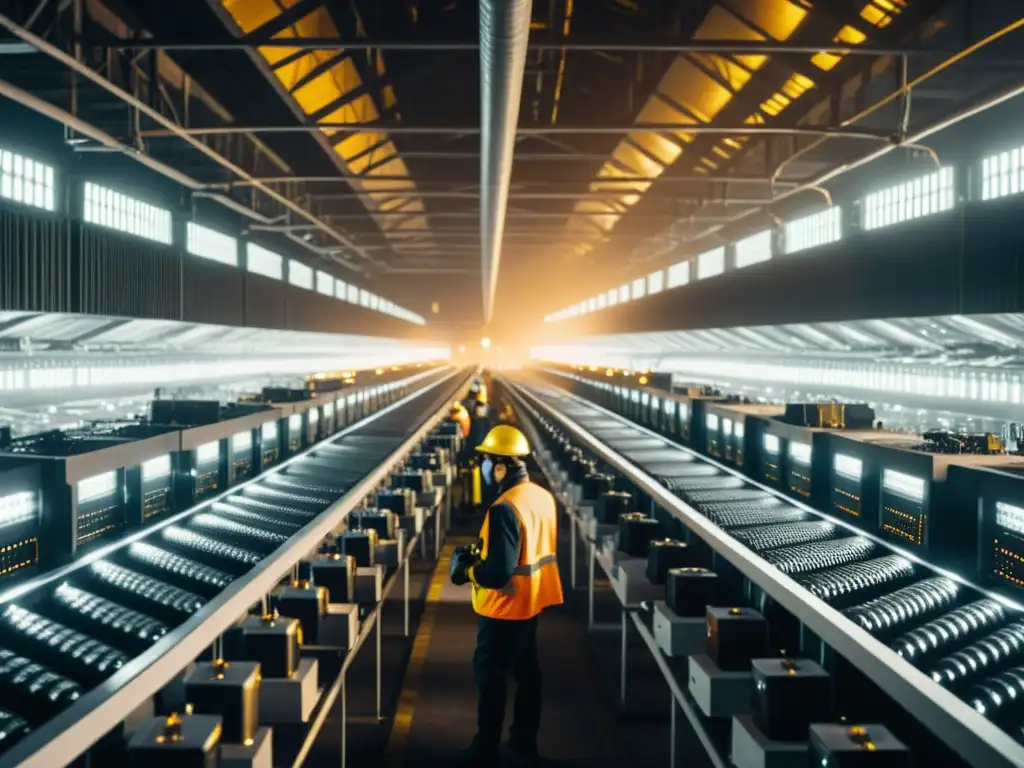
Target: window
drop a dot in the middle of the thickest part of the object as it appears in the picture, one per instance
(353, 294)
(679, 274)
(613, 297)
(263, 262)
(656, 282)
(591, 304)
(211, 244)
(1001, 175)
(602, 301)
(300, 275)
(374, 302)
(25, 181)
(340, 290)
(112, 210)
(324, 283)
(710, 263)
(364, 298)
(814, 230)
(911, 200)
(639, 288)
(582, 307)
(754, 249)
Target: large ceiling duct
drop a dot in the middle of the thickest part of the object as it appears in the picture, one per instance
(504, 34)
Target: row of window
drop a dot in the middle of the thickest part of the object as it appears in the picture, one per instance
(25, 181)
(1002, 175)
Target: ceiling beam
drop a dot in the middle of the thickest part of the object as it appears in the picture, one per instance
(738, 129)
(556, 44)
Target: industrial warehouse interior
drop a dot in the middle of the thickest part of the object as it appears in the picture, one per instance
(571, 383)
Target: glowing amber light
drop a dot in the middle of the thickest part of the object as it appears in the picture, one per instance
(642, 380)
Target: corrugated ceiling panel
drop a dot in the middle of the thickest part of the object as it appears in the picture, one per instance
(697, 87)
(365, 154)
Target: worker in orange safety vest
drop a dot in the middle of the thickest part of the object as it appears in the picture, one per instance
(513, 570)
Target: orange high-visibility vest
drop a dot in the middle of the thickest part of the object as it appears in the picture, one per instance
(464, 421)
(535, 583)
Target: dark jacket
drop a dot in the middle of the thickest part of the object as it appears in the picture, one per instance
(504, 537)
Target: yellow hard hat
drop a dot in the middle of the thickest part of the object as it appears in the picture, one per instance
(458, 408)
(504, 440)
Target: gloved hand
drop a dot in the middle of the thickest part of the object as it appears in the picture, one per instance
(463, 558)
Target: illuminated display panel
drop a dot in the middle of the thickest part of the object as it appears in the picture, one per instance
(847, 472)
(100, 507)
(19, 522)
(207, 468)
(770, 458)
(1008, 544)
(156, 486)
(903, 507)
(800, 468)
(714, 445)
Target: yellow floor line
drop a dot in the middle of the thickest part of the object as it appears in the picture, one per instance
(395, 756)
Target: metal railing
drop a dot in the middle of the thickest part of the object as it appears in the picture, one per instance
(976, 739)
(76, 729)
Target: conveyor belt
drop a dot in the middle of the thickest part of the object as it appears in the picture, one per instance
(959, 638)
(70, 631)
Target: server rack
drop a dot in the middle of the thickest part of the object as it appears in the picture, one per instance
(20, 518)
(96, 481)
(239, 444)
(726, 434)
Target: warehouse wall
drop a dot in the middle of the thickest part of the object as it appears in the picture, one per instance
(50, 264)
(965, 261)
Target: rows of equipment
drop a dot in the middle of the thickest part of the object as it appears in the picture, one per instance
(749, 660)
(65, 491)
(955, 499)
(250, 697)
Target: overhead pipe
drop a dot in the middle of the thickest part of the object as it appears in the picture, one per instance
(95, 77)
(504, 36)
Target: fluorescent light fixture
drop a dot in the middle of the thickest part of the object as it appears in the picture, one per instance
(26, 181)
(711, 421)
(242, 441)
(848, 466)
(300, 275)
(656, 282)
(269, 430)
(727, 426)
(112, 210)
(295, 421)
(1002, 174)
(97, 486)
(208, 452)
(262, 261)
(771, 444)
(679, 274)
(17, 508)
(156, 468)
(753, 249)
(903, 484)
(325, 283)
(211, 244)
(800, 452)
(1010, 517)
(711, 263)
(814, 230)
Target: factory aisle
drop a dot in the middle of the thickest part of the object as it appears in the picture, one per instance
(437, 709)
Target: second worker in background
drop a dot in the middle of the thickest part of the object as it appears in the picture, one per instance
(514, 573)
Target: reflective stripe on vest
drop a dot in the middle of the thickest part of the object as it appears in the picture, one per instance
(534, 586)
